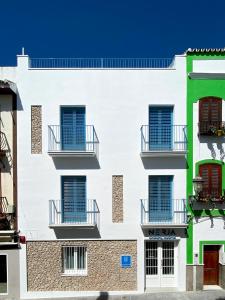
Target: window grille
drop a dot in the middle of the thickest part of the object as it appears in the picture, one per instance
(75, 260)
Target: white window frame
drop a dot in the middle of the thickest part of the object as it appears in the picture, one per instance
(7, 270)
(74, 271)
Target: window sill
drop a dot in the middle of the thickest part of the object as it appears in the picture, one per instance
(74, 275)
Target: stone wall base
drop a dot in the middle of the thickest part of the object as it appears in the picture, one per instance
(194, 277)
(104, 273)
(222, 276)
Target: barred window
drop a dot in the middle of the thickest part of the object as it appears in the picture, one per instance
(75, 260)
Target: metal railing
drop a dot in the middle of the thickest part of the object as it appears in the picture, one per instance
(3, 142)
(176, 214)
(3, 205)
(68, 138)
(100, 63)
(64, 212)
(163, 138)
(212, 128)
(211, 194)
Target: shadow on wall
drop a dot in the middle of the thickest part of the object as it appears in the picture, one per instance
(76, 233)
(103, 296)
(213, 143)
(77, 163)
(164, 162)
(19, 102)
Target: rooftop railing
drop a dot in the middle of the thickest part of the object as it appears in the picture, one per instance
(77, 139)
(174, 214)
(62, 212)
(163, 138)
(100, 63)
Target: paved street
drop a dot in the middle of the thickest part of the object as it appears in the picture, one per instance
(202, 295)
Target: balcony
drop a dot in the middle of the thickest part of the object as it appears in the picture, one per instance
(68, 214)
(163, 141)
(3, 144)
(208, 198)
(174, 216)
(6, 214)
(212, 128)
(67, 141)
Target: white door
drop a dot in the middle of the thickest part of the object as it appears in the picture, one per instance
(161, 263)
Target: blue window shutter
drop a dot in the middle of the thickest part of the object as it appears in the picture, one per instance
(160, 127)
(73, 128)
(160, 198)
(74, 199)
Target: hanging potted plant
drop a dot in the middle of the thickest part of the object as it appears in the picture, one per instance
(213, 129)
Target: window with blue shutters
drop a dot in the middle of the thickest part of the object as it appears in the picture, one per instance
(74, 199)
(160, 198)
(160, 128)
(73, 134)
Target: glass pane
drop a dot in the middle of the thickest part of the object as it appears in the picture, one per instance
(151, 258)
(69, 258)
(168, 258)
(81, 257)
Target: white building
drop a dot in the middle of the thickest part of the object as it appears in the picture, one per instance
(94, 138)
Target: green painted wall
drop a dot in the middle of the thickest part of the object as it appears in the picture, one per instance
(196, 89)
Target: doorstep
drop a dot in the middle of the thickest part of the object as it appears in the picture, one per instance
(161, 290)
(211, 287)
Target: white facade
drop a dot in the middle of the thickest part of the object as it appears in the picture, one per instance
(117, 104)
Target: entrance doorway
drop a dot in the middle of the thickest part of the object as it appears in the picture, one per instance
(160, 264)
(3, 274)
(211, 265)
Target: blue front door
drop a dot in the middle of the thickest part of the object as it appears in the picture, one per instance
(73, 135)
(74, 199)
(160, 198)
(160, 128)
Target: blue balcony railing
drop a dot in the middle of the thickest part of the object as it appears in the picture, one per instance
(171, 138)
(72, 139)
(174, 214)
(67, 213)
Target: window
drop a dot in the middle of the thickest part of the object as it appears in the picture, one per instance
(210, 115)
(75, 260)
(212, 185)
(74, 199)
(160, 127)
(73, 134)
(160, 198)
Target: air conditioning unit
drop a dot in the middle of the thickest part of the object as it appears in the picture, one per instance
(10, 209)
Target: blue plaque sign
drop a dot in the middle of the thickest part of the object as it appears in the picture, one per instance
(125, 261)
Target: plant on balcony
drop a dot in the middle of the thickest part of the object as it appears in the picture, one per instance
(4, 222)
(212, 129)
(217, 131)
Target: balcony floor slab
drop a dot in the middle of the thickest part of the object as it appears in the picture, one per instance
(163, 153)
(72, 153)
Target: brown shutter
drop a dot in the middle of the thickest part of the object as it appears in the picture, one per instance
(210, 113)
(212, 175)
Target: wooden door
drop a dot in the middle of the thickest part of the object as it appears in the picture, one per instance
(211, 265)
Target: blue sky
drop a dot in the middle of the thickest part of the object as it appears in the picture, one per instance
(109, 28)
